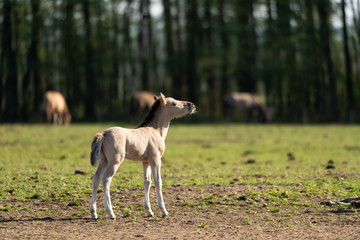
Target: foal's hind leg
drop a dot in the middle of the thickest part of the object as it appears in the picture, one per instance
(95, 184)
(113, 165)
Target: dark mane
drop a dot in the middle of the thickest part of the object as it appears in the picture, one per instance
(151, 114)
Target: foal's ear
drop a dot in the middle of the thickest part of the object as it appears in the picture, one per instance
(162, 98)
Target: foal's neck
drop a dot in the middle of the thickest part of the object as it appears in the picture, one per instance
(161, 122)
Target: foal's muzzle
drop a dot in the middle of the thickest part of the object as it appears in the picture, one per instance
(191, 107)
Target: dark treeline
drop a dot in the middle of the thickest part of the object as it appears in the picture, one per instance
(302, 56)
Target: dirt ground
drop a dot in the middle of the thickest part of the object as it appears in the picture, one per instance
(207, 212)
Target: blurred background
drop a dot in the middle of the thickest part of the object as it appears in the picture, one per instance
(301, 56)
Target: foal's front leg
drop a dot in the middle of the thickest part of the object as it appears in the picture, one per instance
(147, 185)
(155, 168)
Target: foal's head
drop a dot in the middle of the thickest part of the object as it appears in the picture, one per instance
(176, 108)
(165, 108)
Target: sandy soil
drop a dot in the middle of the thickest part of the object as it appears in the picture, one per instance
(192, 215)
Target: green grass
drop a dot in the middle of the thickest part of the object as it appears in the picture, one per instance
(39, 162)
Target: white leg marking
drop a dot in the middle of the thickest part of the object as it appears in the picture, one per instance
(95, 186)
(158, 186)
(106, 181)
(147, 185)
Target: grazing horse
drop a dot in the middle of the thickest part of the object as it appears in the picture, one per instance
(146, 144)
(140, 102)
(251, 103)
(54, 109)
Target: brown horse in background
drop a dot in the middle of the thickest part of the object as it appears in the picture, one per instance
(251, 103)
(54, 109)
(140, 103)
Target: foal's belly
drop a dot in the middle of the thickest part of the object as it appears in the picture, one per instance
(142, 151)
(136, 151)
(135, 156)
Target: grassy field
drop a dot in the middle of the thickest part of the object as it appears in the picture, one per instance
(47, 163)
(40, 161)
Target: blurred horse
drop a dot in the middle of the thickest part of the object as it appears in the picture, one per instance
(54, 109)
(141, 102)
(251, 103)
(145, 144)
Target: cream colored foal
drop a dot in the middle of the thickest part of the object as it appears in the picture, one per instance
(146, 143)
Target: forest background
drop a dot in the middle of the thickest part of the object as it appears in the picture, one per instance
(301, 56)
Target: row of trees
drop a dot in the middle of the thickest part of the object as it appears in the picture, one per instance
(301, 55)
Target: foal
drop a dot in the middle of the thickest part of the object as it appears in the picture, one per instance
(145, 143)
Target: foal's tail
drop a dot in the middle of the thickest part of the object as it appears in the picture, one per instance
(96, 148)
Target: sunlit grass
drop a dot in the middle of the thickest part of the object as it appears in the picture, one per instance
(39, 162)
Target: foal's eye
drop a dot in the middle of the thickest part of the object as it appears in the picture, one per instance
(174, 104)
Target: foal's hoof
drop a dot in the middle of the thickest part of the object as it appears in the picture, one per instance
(150, 214)
(165, 214)
(94, 216)
(112, 217)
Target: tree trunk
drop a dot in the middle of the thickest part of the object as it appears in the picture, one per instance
(268, 71)
(323, 7)
(311, 86)
(9, 65)
(224, 66)
(349, 83)
(130, 79)
(152, 45)
(34, 62)
(179, 40)
(179, 58)
(355, 40)
(115, 73)
(289, 78)
(208, 47)
(99, 40)
(144, 43)
(90, 78)
(247, 47)
(73, 78)
(192, 31)
(171, 68)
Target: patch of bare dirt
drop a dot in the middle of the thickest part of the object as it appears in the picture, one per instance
(206, 212)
